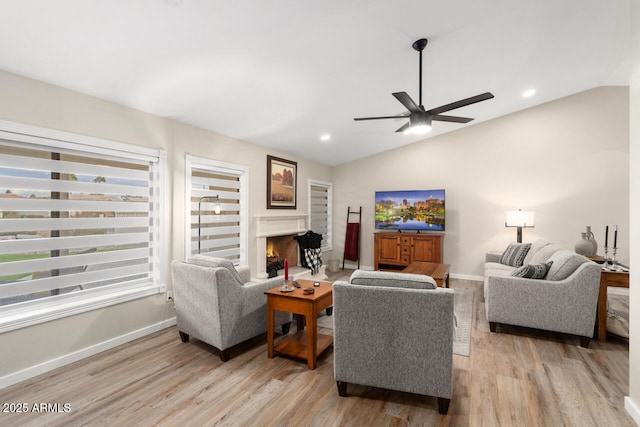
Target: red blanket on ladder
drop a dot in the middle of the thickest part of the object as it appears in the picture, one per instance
(351, 241)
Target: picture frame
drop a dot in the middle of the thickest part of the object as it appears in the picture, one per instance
(282, 183)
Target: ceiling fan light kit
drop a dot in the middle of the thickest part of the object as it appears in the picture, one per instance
(419, 124)
(419, 118)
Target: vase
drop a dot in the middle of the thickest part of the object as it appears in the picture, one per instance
(585, 246)
(592, 239)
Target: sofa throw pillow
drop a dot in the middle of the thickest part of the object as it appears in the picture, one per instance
(532, 271)
(542, 255)
(564, 264)
(213, 262)
(514, 254)
(535, 247)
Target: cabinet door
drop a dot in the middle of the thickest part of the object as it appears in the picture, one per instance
(388, 248)
(426, 248)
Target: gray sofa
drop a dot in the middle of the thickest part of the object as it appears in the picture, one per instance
(217, 303)
(563, 300)
(394, 331)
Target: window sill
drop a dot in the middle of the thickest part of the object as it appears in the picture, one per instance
(34, 312)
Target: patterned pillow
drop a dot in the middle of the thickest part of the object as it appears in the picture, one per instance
(532, 271)
(514, 254)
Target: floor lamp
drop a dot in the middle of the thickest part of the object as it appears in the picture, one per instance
(520, 219)
(216, 210)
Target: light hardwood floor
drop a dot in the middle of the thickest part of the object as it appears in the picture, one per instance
(516, 377)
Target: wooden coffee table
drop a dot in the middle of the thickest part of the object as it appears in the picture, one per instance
(439, 272)
(304, 344)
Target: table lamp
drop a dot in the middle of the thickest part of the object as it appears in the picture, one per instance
(521, 219)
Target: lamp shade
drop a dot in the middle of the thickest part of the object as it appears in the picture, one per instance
(519, 218)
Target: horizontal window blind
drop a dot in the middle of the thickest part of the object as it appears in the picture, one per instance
(73, 221)
(320, 221)
(217, 234)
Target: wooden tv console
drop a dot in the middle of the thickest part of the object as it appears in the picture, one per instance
(395, 251)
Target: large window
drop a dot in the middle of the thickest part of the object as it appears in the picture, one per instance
(217, 217)
(320, 208)
(79, 224)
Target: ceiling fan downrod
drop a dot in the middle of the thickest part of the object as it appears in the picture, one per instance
(419, 45)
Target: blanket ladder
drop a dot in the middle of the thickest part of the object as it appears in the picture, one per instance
(352, 237)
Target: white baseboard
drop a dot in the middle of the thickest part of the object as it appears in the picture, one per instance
(632, 409)
(58, 362)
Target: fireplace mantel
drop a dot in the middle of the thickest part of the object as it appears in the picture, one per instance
(268, 225)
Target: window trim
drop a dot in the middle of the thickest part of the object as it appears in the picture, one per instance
(192, 161)
(327, 244)
(31, 313)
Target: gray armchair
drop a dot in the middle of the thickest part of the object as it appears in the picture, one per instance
(216, 303)
(394, 331)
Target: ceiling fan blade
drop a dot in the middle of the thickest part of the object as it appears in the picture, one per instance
(461, 103)
(402, 116)
(454, 119)
(404, 127)
(406, 100)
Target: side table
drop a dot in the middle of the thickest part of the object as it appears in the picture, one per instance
(615, 279)
(303, 344)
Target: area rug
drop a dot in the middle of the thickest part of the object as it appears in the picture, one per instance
(463, 309)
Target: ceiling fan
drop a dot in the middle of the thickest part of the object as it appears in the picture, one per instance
(419, 118)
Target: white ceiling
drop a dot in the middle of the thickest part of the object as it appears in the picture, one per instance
(280, 73)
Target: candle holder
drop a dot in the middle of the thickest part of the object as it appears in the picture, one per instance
(286, 287)
(605, 264)
(614, 262)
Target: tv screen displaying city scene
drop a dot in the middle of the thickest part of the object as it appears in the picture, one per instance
(421, 210)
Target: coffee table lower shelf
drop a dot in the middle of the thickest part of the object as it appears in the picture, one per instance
(296, 345)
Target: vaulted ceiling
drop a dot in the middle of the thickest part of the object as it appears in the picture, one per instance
(282, 73)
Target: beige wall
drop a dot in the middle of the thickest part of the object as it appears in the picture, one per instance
(199, 142)
(31, 102)
(567, 160)
(35, 103)
(633, 401)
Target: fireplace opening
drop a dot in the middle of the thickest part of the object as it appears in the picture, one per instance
(280, 248)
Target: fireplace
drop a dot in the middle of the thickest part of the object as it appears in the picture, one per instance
(284, 227)
(280, 248)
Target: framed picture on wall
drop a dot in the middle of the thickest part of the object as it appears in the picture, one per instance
(282, 176)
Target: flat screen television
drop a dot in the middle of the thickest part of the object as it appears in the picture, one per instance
(421, 210)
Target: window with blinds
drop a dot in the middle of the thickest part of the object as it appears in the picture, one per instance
(218, 223)
(320, 208)
(76, 223)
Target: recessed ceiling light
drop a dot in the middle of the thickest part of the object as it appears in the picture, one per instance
(325, 137)
(528, 93)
